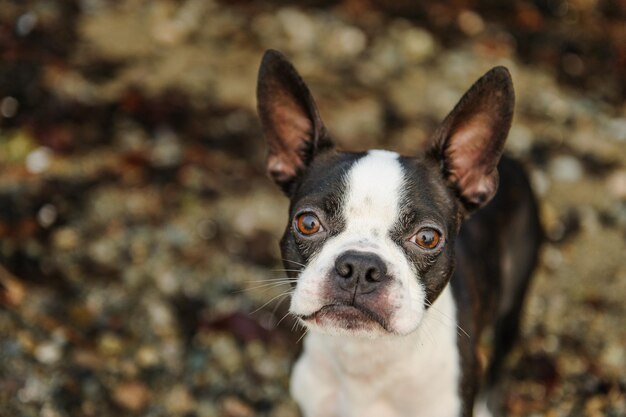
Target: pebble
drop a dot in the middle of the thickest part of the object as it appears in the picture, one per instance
(9, 107)
(104, 251)
(47, 215)
(540, 182)
(110, 344)
(35, 389)
(48, 353)
(616, 185)
(179, 401)
(358, 123)
(234, 407)
(345, 42)
(614, 357)
(520, 140)
(147, 357)
(298, 27)
(227, 354)
(565, 168)
(207, 409)
(132, 396)
(417, 44)
(470, 22)
(26, 23)
(166, 151)
(38, 161)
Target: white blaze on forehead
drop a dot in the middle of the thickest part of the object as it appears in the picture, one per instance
(373, 193)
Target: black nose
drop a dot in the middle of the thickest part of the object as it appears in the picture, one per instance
(362, 270)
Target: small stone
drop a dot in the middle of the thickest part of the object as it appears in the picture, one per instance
(614, 356)
(552, 258)
(616, 184)
(520, 140)
(47, 215)
(207, 229)
(207, 409)
(344, 42)
(34, 390)
(470, 22)
(289, 409)
(167, 151)
(132, 396)
(9, 106)
(147, 357)
(38, 161)
(417, 44)
(103, 251)
(167, 282)
(540, 182)
(298, 26)
(566, 169)
(109, 344)
(179, 400)
(227, 354)
(26, 23)
(358, 122)
(234, 407)
(48, 353)
(13, 290)
(617, 128)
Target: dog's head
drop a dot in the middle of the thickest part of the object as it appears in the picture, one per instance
(370, 235)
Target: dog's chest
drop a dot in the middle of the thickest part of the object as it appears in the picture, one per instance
(417, 375)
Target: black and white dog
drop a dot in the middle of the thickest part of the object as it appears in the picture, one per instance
(394, 327)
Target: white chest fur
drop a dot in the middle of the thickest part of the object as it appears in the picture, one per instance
(415, 375)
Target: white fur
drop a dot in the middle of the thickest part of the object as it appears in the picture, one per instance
(395, 376)
(371, 207)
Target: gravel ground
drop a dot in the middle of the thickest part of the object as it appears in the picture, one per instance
(137, 226)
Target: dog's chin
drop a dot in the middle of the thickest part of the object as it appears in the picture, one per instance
(347, 320)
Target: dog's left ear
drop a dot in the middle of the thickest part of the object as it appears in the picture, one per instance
(291, 122)
(470, 140)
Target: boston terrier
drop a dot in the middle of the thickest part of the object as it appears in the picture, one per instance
(404, 266)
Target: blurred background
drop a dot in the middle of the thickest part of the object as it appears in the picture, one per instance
(137, 225)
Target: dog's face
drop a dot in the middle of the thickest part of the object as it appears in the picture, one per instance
(371, 235)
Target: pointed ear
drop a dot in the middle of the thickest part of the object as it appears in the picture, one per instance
(291, 123)
(470, 140)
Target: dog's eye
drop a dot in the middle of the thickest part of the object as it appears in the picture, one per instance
(427, 238)
(308, 224)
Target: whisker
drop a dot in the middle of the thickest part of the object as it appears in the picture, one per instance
(294, 262)
(306, 330)
(271, 279)
(278, 305)
(435, 309)
(281, 320)
(286, 293)
(266, 286)
(275, 282)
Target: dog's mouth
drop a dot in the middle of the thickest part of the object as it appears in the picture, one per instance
(347, 316)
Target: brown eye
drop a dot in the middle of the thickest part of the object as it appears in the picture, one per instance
(308, 224)
(427, 238)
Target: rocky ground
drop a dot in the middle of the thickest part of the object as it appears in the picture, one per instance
(137, 226)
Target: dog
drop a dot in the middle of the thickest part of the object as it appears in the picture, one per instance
(402, 264)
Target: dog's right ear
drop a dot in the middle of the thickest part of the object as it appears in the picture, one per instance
(291, 122)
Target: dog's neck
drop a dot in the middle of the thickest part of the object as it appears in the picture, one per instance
(364, 357)
(416, 374)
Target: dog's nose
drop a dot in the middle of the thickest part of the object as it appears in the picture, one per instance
(362, 270)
